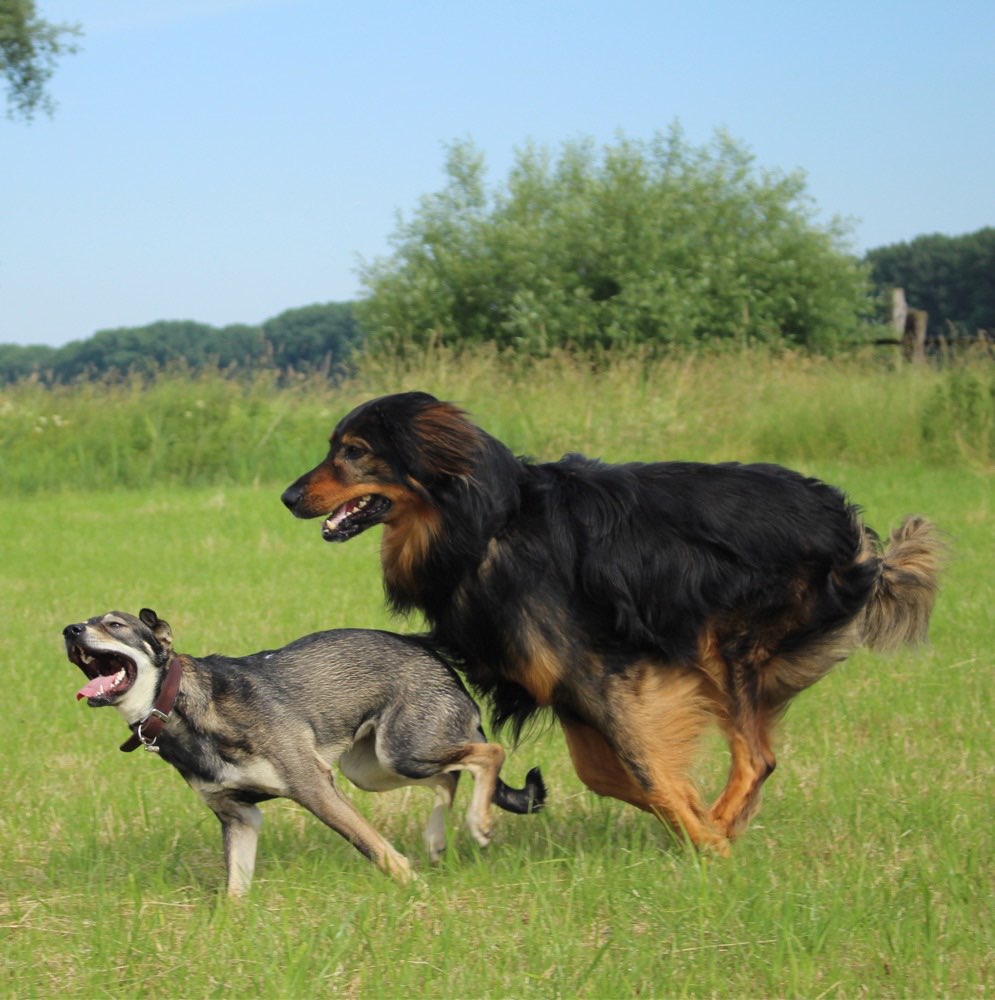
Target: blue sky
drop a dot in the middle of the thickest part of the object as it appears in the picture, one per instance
(224, 160)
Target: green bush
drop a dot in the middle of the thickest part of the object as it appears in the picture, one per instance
(656, 243)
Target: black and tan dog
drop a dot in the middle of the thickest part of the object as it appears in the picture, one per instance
(637, 602)
(272, 725)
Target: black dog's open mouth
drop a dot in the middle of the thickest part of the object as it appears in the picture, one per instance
(109, 675)
(354, 516)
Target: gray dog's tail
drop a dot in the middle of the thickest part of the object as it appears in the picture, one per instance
(529, 799)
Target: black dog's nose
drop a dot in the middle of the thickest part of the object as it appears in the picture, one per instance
(70, 631)
(292, 496)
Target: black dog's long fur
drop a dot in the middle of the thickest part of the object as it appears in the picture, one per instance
(637, 601)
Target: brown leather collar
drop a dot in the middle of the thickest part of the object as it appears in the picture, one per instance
(146, 731)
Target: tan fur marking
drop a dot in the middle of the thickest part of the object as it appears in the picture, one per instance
(540, 671)
(668, 708)
(324, 492)
(338, 480)
(742, 777)
(410, 529)
(354, 440)
(746, 731)
(712, 665)
(665, 711)
(752, 762)
(598, 766)
(667, 714)
(490, 560)
(483, 761)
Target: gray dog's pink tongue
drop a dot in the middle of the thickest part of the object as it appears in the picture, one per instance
(93, 688)
(99, 686)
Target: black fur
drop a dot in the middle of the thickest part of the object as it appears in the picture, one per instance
(638, 557)
(553, 583)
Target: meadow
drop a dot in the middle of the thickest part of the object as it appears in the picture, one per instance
(867, 873)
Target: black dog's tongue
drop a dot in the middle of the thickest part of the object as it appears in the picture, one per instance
(337, 517)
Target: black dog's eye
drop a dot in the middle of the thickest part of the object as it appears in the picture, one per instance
(353, 451)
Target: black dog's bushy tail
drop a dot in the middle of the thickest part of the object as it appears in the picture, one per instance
(899, 612)
(529, 799)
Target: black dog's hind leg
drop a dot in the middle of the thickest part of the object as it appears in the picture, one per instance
(642, 746)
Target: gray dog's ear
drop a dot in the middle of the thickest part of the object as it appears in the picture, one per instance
(159, 628)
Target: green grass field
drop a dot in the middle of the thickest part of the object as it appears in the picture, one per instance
(867, 873)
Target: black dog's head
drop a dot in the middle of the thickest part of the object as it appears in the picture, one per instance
(121, 656)
(387, 456)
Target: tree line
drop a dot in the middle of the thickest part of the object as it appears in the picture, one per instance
(317, 337)
(657, 245)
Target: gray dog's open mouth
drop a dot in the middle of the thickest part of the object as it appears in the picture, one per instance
(109, 675)
(354, 516)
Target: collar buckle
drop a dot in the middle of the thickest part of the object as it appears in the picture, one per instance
(150, 744)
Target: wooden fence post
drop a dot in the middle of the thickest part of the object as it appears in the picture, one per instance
(914, 341)
(899, 312)
(909, 326)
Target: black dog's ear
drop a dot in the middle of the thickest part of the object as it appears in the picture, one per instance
(447, 444)
(423, 438)
(159, 628)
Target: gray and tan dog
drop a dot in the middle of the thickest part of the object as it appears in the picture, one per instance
(272, 724)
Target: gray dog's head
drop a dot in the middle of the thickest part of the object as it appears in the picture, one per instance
(122, 657)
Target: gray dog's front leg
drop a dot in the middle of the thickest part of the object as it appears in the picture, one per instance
(240, 823)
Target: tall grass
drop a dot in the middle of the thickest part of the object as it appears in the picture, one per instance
(182, 430)
(868, 872)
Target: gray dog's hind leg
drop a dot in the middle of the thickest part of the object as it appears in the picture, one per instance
(322, 798)
(483, 761)
(435, 829)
